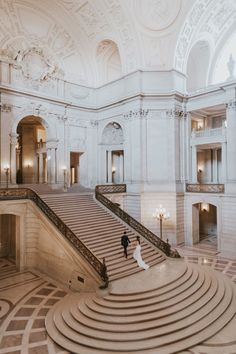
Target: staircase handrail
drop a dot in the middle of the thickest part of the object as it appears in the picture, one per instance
(27, 193)
(128, 219)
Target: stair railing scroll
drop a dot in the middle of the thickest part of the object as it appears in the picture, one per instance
(26, 193)
(128, 219)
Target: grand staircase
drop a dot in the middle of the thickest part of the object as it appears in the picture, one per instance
(173, 307)
(100, 231)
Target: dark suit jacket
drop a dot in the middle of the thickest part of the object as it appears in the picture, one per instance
(125, 240)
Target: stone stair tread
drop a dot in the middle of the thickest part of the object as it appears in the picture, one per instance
(152, 339)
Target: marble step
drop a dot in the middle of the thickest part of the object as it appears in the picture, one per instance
(177, 329)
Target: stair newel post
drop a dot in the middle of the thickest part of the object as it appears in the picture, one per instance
(104, 275)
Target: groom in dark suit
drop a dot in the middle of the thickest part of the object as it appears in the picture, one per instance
(125, 243)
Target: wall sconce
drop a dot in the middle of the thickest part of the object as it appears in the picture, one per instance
(199, 170)
(7, 171)
(113, 170)
(205, 207)
(28, 164)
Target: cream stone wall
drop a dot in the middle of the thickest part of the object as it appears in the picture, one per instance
(40, 246)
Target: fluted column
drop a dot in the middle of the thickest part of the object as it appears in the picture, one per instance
(224, 162)
(231, 141)
(51, 146)
(13, 145)
(121, 168)
(194, 164)
(109, 167)
(41, 172)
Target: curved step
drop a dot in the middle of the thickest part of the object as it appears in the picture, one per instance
(201, 312)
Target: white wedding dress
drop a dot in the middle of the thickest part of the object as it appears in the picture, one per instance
(137, 256)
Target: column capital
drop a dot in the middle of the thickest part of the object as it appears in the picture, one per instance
(176, 113)
(13, 138)
(52, 144)
(136, 114)
(231, 105)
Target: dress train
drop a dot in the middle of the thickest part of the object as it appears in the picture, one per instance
(137, 256)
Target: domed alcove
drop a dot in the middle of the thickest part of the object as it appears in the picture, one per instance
(198, 66)
(108, 61)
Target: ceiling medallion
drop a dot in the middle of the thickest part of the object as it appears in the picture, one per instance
(157, 15)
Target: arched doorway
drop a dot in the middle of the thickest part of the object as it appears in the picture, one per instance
(31, 156)
(8, 237)
(204, 222)
(112, 140)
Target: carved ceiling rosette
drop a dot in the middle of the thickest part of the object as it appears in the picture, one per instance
(157, 15)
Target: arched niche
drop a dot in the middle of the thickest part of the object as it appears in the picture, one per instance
(108, 61)
(112, 134)
(198, 66)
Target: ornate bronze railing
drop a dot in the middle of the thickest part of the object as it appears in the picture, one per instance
(205, 188)
(111, 188)
(26, 193)
(128, 219)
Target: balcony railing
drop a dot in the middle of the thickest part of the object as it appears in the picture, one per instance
(205, 188)
(208, 133)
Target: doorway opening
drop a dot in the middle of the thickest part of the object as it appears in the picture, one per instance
(31, 155)
(74, 167)
(205, 224)
(8, 237)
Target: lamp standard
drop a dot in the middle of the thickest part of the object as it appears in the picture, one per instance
(161, 214)
(7, 170)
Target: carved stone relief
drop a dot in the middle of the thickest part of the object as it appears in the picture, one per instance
(112, 134)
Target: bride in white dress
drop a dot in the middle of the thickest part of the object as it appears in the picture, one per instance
(137, 255)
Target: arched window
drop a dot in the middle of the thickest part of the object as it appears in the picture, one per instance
(109, 63)
(224, 68)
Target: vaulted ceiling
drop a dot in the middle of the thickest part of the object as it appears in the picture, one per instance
(149, 34)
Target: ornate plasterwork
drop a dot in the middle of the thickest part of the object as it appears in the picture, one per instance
(207, 19)
(136, 114)
(112, 134)
(35, 65)
(157, 14)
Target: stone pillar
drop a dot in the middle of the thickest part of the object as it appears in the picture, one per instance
(51, 146)
(122, 168)
(109, 166)
(41, 171)
(194, 164)
(224, 161)
(13, 146)
(215, 166)
(231, 141)
(53, 165)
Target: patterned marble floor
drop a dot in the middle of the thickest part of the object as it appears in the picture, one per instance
(25, 299)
